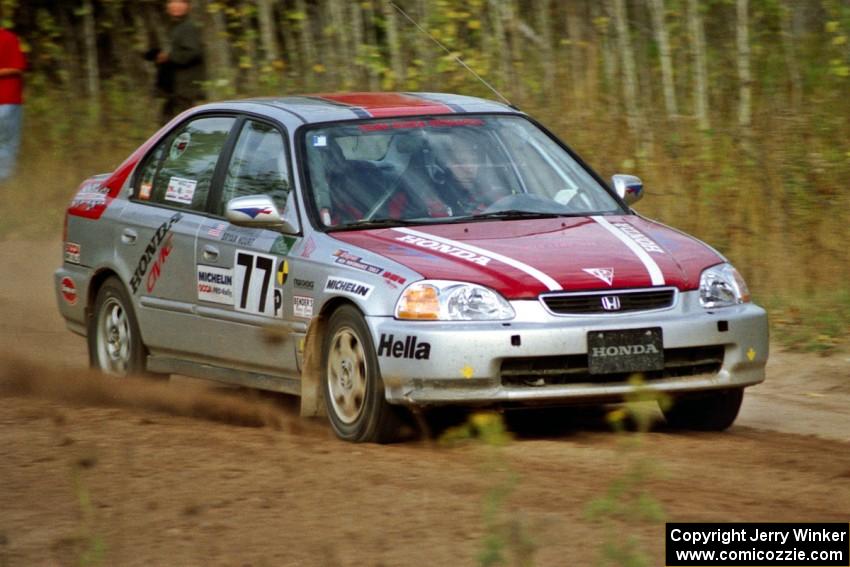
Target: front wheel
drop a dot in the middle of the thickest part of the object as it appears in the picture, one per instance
(354, 392)
(115, 343)
(710, 411)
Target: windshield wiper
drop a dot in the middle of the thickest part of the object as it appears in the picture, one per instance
(375, 223)
(514, 214)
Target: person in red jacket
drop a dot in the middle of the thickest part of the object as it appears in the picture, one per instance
(12, 65)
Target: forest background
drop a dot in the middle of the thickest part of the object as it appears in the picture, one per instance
(736, 113)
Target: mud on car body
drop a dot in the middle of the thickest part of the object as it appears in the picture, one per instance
(369, 251)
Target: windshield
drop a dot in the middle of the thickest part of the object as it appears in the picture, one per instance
(444, 169)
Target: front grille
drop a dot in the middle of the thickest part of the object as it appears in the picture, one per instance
(594, 302)
(572, 369)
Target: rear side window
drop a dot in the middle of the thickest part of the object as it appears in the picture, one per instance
(179, 171)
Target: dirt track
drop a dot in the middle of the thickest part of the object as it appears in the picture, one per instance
(170, 474)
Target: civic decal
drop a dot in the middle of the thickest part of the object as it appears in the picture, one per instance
(348, 287)
(472, 253)
(69, 290)
(638, 243)
(153, 252)
(215, 284)
(406, 347)
(159, 262)
(348, 259)
(302, 306)
(604, 274)
(253, 289)
(72, 252)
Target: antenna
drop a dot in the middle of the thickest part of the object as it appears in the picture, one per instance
(456, 58)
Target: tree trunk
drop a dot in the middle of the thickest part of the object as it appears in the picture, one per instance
(394, 44)
(697, 37)
(609, 57)
(308, 45)
(745, 88)
(265, 16)
(627, 59)
(372, 42)
(343, 52)
(92, 69)
(543, 17)
(576, 57)
(498, 44)
(790, 53)
(661, 38)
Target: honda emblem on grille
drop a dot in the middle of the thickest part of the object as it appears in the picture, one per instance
(611, 303)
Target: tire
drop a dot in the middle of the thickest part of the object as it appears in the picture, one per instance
(711, 411)
(115, 343)
(353, 389)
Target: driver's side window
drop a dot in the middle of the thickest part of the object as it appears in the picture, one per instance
(258, 166)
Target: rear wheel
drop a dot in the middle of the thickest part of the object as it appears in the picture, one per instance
(710, 411)
(115, 343)
(354, 392)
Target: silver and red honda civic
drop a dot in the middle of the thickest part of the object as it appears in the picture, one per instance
(368, 251)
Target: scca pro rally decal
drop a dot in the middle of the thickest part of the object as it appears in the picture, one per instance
(215, 284)
(352, 261)
(348, 287)
(254, 288)
(445, 249)
(408, 347)
(157, 252)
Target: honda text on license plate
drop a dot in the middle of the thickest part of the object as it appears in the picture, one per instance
(632, 350)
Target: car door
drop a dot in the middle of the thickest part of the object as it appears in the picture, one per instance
(241, 271)
(159, 226)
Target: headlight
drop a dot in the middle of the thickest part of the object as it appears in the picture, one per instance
(721, 286)
(442, 300)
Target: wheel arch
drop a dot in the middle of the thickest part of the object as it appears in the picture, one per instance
(312, 396)
(95, 283)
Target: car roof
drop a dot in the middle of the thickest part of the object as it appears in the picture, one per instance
(329, 107)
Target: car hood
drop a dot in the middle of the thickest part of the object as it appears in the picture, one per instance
(523, 258)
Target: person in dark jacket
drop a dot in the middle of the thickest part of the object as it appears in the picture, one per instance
(180, 70)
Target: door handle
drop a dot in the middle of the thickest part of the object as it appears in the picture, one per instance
(210, 253)
(129, 236)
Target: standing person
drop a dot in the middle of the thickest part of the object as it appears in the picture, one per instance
(12, 65)
(183, 64)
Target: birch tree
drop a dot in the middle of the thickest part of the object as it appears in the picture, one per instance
(627, 59)
(659, 28)
(92, 68)
(745, 88)
(697, 37)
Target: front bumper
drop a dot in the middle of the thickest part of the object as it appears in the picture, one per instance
(425, 363)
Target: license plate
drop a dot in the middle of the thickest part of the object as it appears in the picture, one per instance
(632, 350)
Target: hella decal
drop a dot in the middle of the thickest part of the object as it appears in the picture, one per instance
(150, 254)
(410, 347)
(444, 249)
(72, 253)
(348, 287)
(69, 290)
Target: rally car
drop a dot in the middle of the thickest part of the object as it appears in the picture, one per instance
(370, 251)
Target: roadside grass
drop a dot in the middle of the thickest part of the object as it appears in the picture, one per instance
(815, 323)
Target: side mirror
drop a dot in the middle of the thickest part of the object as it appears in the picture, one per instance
(259, 211)
(628, 187)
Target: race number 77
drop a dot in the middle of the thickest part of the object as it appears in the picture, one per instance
(253, 283)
